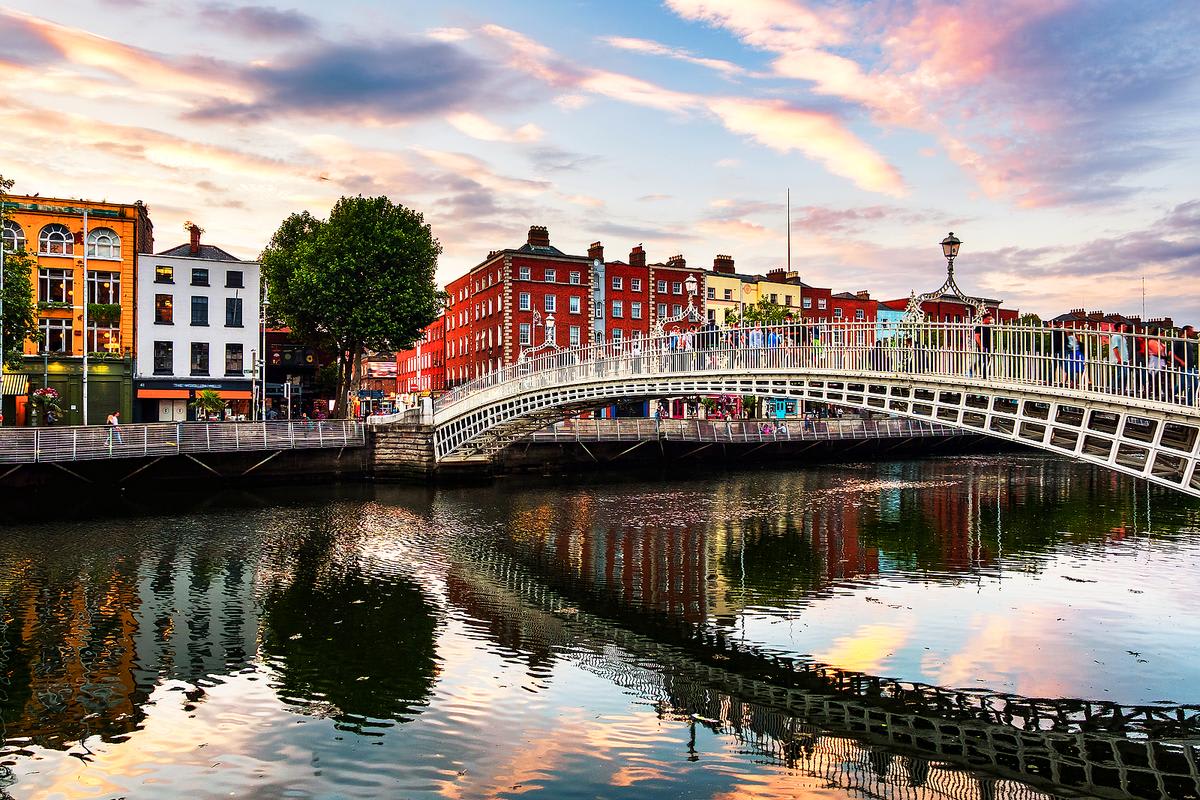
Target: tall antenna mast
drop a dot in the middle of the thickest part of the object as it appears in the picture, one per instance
(789, 230)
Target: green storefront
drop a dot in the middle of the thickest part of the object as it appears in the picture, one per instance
(110, 387)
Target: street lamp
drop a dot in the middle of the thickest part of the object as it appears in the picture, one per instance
(950, 247)
(551, 333)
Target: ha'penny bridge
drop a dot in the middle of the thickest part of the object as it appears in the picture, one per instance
(885, 737)
(1049, 389)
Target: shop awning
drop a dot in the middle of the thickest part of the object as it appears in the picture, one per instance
(230, 394)
(15, 383)
(163, 394)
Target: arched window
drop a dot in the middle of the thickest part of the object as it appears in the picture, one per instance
(14, 237)
(56, 240)
(104, 243)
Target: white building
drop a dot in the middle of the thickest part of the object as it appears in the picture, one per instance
(197, 328)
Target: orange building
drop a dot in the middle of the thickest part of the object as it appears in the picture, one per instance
(51, 230)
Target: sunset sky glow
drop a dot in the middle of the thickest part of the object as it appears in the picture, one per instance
(1057, 138)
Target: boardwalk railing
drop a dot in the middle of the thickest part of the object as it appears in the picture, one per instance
(1145, 369)
(734, 431)
(89, 442)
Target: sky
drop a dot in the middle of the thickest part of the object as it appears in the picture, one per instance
(1059, 139)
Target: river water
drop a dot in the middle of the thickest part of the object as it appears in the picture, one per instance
(997, 626)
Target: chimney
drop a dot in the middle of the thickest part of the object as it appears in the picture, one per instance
(539, 236)
(777, 275)
(862, 294)
(637, 257)
(1095, 315)
(195, 231)
(679, 262)
(596, 252)
(723, 264)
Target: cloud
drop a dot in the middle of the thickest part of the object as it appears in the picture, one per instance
(774, 123)
(820, 136)
(728, 163)
(21, 43)
(549, 158)
(822, 219)
(1106, 75)
(653, 198)
(256, 22)
(392, 80)
(648, 47)
(478, 127)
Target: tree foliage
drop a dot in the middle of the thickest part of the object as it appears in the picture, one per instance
(20, 313)
(361, 280)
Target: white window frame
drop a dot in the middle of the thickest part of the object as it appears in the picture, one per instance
(523, 302)
(103, 243)
(551, 275)
(56, 239)
(618, 309)
(635, 310)
(14, 236)
(618, 283)
(574, 336)
(676, 310)
(635, 284)
(550, 303)
(523, 273)
(662, 310)
(807, 302)
(575, 280)
(676, 287)
(822, 302)
(859, 314)
(662, 287)
(574, 304)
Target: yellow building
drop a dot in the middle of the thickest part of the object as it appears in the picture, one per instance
(729, 293)
(51, 230)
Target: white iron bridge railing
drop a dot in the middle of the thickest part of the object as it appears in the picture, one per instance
(90, 442)
(1149, 369)
(738, 431)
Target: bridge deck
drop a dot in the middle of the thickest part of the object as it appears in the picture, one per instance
(739, 431)
(90, 442)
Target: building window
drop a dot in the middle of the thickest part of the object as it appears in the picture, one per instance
(599, 311)
(164, 312)
(662, 310)
(618, 282)
(574, 278)
(56, 336)
(618, 309)
(233, 279)
(712, 315)
(523, 301)
(164, 358)
(676, 287)
(56, 285)
(199, 310)
(104, 287)
(525, 335)
(523, 273)
(104, 338)
(551, 276)
(164, 274)
(807, 302)
(574, 334)
(199, 276)
(635, 284)
(551, 303)
(837, 313)
(199, 358)
(14, 237)
(617, 335)
(787, 300)
(662, 287)
(676, 310)
(104, 243)
(774, 299)
(712, 293)
(729, 294)
(635, 310)
(56, 240)
(233, 358)
(233, 312)
(859, 314)
(821, 302)
(574, 304)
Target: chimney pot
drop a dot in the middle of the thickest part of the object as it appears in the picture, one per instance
(538, 236)
(723, 264)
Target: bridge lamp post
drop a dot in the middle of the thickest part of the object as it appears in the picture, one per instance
(950, 247)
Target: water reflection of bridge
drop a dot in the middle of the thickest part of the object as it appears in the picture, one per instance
(911, 731)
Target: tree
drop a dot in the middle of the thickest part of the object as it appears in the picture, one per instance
(19, 312)
(361, 280)
(764, 312)
(208, 401)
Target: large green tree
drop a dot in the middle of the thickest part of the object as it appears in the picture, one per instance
(361, 280)
(19, 314)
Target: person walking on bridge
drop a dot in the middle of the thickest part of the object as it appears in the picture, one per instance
(114, 421)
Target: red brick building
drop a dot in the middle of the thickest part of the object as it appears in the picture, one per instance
(421, 369)
(515, 299)
(669, 294)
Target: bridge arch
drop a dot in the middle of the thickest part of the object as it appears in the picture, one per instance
(1020, 400)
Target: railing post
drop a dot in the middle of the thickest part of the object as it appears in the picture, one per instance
(237, 439)
(37, 445)
(146, 440)
(74, 444)
(208, 435)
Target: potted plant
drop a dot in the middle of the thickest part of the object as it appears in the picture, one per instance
(45, 405)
